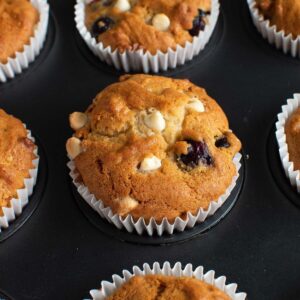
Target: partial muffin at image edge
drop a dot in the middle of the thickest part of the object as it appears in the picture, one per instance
(18, 167)
(167, 282)
(146, 35)
(23, 27)
(154, 147)
(278, 22)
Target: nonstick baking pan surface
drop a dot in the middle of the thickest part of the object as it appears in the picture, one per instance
(62, 249)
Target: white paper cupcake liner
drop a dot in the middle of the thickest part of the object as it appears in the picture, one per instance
(108, 288)
(280, 39)
(146, 62)
(17, 204)
(288, 166)
(21, 60)
(140, 226)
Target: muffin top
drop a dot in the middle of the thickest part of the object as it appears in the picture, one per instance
(18, 19)
(285, 14)
(153, 146)
(150, 25)
(16, 155)
(151, 287)
(292, 130)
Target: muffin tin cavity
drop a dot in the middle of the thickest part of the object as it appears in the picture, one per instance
(34, 199)
(110, 230)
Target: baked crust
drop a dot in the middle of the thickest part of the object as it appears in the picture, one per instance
(115, 141)
(133, 29)
(151, 287)
(18, 19)
(292, 130)
(16, 156)
(285, 14)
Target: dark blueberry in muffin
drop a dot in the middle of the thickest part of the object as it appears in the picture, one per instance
(222, 142)
(198, 153)
(199, 23)
(101, 25)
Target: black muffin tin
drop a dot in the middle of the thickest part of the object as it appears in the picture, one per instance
(64, 249)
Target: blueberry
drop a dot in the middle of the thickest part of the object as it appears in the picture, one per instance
(222, 142)
(101, 25)
(198, 153)
(198, 23)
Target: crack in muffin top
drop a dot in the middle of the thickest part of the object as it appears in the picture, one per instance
(153, 146)
(150, 25)
(18, 19)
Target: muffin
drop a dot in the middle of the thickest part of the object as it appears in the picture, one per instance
(23, 28)
(17, 153)
(18, 19)
(146, 35)
(146, 24)
(151, 287)
(279, 22)
(153, 147)
(292, 129)
(284, 14)
(288, 139)
(167, 282)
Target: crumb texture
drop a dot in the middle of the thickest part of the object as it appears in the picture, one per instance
(16, 155)
(285, 14)
(159, 287)
(150, 25)
(18, 19)
(292, 130)
(143, 151)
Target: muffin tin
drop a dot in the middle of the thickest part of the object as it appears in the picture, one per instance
(63, 251)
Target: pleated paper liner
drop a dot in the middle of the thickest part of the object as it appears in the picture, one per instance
(141, 226)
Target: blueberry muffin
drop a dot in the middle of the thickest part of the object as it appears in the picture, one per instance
(18, 19)
(153, 146)
(285, 14)
(150, 25)
(292, 131)
(151, 287)
(16, 156)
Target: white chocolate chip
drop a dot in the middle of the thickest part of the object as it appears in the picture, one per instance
(161, 22)
(155, 121)
(150, 164)
(77, 120)
(126, 204)
(123, 5)
(73, 147)
(196, 105)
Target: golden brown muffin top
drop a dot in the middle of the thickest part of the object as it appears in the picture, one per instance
(153, 146)
(292, 130)
(285, 14)
(18, 19)
(160, 287)
(146, 24)
(16, 155)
